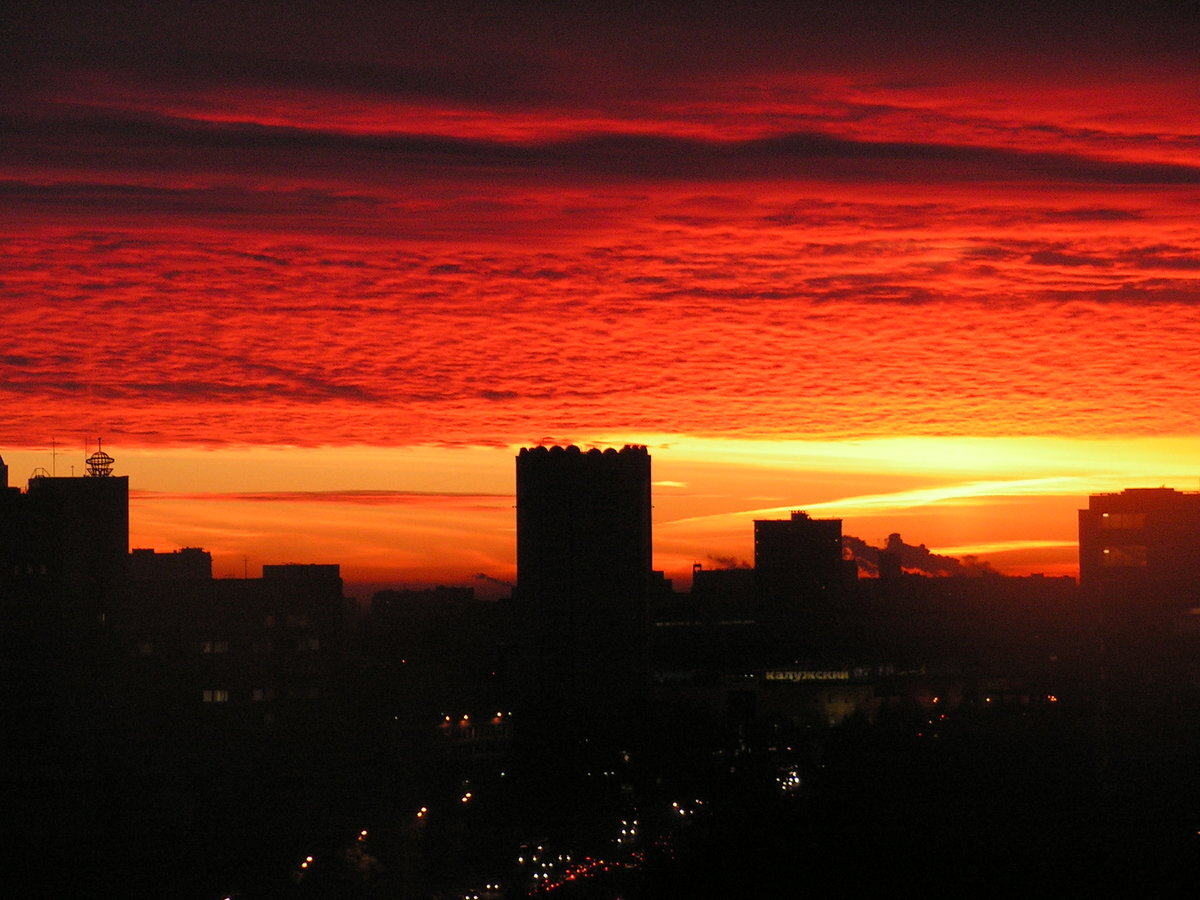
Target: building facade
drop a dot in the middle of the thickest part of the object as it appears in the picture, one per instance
(1141, 547)
(222, 669)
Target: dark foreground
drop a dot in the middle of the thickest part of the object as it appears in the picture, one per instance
(985, 806)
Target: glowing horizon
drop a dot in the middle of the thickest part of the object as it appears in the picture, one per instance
(431, 514)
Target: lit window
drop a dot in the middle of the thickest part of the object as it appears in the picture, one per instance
(1122, 521)
(1126, 556)
(216, 696)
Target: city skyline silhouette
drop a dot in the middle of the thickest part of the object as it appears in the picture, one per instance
(590, 695)
(335, 344)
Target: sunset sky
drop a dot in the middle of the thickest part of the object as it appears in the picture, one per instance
(314, 272)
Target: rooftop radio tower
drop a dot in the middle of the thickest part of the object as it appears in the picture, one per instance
(99, 464)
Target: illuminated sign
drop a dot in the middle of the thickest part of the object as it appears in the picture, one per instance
(807, 675)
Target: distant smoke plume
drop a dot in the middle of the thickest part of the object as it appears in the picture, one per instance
(862, 553)
(973, 565)
(920, 559)
(483, 576)
(728, 562)
(911, 558)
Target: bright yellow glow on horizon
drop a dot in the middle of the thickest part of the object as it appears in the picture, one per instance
(1173, 458)
(1000, 547)
(426, 513)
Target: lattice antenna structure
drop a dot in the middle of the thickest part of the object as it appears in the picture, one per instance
(99, 464)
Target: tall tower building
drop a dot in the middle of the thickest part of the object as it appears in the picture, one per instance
(64, 544)
(65, 540)
(1139, 576)
(583, 575)
(79, 530)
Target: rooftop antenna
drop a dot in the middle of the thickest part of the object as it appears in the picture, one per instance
(53, 456)
(99, 464)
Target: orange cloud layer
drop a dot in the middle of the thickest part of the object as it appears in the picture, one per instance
(480, 227)
(769, 331)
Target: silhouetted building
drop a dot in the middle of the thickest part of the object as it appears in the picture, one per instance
(72, 531)
(439, 652)
(583, 575)
(702, 633)
(583, 523)
(798, 559)
(187, 564)
(1139, 569)
(725, 589)
(1141, 547)
(63, 546)
(409, 606)
(256, 666)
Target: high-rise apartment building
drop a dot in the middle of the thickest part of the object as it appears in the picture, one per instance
(797, 559)
(63, 551)
(1139, 576)
(583, 574)
(1141, 548)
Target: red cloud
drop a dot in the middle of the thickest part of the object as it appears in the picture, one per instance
(480, 233)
